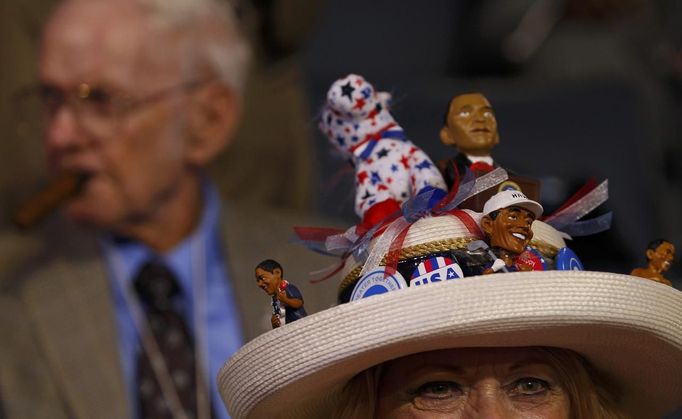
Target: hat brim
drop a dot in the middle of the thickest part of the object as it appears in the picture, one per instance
(629, 328)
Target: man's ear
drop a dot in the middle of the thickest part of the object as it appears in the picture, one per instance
(487, 225)
(215, 113)
(277, 272)
(446, 136)
(649, 254)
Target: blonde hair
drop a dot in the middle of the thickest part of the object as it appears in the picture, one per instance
(590, 395)
(359, 396)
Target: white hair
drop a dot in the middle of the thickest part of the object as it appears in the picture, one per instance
(210, 33)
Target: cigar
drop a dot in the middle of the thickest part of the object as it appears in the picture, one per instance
(47, 200)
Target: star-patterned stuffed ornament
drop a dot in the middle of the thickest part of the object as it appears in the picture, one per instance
(389, 168)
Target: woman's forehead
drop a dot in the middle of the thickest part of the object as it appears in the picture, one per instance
(463, 358)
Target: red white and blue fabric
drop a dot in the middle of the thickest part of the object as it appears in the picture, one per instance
(388, 166)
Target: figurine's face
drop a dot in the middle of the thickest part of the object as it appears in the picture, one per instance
(268, 281)
(663, 256)
(471, 125)
(510, 230)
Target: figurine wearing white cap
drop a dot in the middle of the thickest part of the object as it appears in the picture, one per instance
(389, 168)
(506, 222)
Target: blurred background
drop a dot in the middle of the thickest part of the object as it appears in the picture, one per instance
(581, 88)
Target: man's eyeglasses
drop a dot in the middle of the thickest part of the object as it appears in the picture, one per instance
(97, 109)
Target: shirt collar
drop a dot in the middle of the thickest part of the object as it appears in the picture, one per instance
(484, 159)
(131, 255)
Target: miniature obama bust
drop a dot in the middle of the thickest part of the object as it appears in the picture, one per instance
(470, 127)
(660, 256)
(506, 223)
(287, 300)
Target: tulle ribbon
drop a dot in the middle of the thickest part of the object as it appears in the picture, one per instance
(588, 198)
(391, 241)
(395, 227)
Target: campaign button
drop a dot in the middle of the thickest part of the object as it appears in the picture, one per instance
(567, 260)
(377, 282)
(436, 269)
(532, 258)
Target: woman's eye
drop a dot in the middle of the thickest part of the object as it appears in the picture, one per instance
(530, 386)
(438, 390)
(438, 395)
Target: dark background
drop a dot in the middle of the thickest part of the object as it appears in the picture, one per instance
(599, 96)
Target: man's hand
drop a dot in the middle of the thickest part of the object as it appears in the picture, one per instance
(275, 321)
(289, 302)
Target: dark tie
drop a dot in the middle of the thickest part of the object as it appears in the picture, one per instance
(159, 292)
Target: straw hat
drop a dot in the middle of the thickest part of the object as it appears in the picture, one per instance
(445, 233)
(629, 328)
(425, 236)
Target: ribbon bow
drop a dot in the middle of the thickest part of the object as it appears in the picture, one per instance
(391, 241)
(394, 228)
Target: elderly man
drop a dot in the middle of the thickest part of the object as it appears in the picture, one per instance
(129, 306)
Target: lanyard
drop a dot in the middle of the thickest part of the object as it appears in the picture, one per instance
(149, 344)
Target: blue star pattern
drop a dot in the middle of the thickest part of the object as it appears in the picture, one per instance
(366, 92)
(425, 164)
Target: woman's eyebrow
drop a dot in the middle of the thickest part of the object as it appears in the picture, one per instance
(526, 362)
(434, 367)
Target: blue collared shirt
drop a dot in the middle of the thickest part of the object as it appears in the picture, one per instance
(198, 258)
